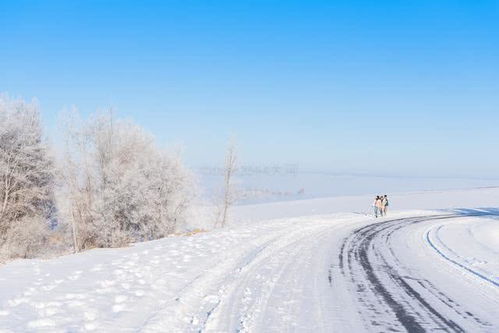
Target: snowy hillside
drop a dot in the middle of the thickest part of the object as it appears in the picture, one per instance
(319, 265)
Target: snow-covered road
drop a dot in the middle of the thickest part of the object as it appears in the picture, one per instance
(414, 271)
(402, 285)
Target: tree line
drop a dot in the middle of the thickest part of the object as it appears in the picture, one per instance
(109, 184)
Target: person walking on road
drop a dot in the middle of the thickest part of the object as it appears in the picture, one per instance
(376, 206)
(385, 204)
(379, 204)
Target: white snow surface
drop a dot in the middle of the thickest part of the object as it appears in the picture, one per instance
(432, 264)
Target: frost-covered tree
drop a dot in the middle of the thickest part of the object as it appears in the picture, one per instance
(121, 187)
(26, 180)
(228, 191)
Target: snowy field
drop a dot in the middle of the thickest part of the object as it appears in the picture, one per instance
(318, 265)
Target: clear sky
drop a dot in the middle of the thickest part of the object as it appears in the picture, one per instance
(385, 87)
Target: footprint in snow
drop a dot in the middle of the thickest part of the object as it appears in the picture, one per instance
(107, 283)
(96, 268)
(119, 308)
(49, 311)
(42, 306)
(90, 326)
(90, 314)
(106, 290)
(139, 293)
(75, 304)
(476, 262)
(41, 323)
(120, 299)
(49, 287)
(212, 299)
(71, 296)
(74, 277)
(17, 301)
(29, 292)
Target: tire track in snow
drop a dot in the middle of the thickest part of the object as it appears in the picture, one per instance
(479, 275)
(218, 292)
(391, 300)
(251, 309)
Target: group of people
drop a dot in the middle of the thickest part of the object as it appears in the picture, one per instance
(380, 205)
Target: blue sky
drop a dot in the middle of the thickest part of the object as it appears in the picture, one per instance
(383, 87)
